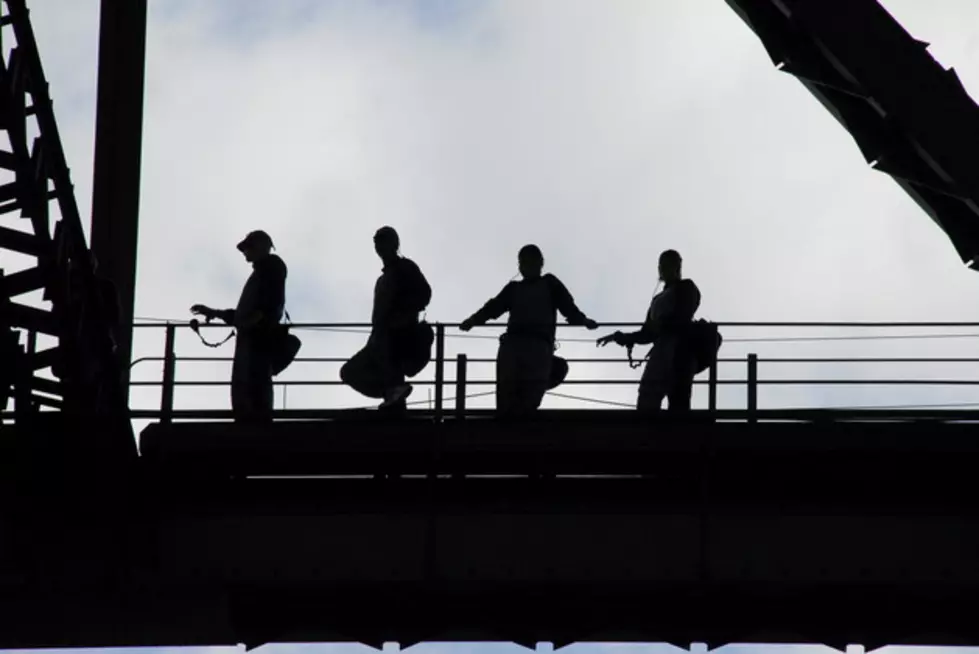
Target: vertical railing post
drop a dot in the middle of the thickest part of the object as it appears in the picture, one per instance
(461, 366)
(712, 387)
(23, 402)
(752, 388)
(439, 369)
(31, 351)
(169, 375)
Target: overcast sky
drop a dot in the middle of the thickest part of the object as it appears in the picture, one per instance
(603, 130)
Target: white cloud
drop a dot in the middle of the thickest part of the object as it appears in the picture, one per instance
(604, 130)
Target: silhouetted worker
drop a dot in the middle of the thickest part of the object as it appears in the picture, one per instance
(12, 367)
(670, 369)
(400, 294)
(110, 392)
(95, 321)
(259, 310)
(523, 362)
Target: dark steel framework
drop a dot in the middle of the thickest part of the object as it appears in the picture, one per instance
(38, 194)
(118, 154)
(911, 118)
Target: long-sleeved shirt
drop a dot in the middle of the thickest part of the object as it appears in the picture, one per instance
(401, 292)
(265, 292)
(533, 305)
(671, 310)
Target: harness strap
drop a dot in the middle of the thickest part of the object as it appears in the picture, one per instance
(636, 364)
(195, 326)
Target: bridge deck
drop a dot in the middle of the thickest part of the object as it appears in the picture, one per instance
(572, 527)
(790, 446)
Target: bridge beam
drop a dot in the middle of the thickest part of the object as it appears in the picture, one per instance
(831, 533)
(910, 117)
(118, 147)
(254, 561)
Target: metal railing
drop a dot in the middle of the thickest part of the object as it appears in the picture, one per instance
(453, 386)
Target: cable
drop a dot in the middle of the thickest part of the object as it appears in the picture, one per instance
(450, 399)
(876, 337)
(895, 407)
(758, 339)
(892, 407)
(420, 402)
(581, 398)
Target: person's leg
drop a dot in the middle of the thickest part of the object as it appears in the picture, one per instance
(251, 386)
(361, 374)
(507, 378)
(681, 386)
(650, 398)
(652, 386)
(239, 384)
(679, 395)
(536, 357)
(262, 387)
(391, 377)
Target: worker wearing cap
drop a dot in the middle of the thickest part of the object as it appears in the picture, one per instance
(259, 309)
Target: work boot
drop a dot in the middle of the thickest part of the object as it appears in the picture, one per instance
(395, 395)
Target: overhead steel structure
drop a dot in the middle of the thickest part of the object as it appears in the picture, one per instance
(60, 357)
(911, 118)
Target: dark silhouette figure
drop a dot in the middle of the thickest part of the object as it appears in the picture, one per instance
(255, 319)
(523, 362)
(13, 366)
(672, 364)
(401, 293)
(109, 387)
(91, 350)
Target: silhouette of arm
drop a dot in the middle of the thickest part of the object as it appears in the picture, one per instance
(565, 303)
(687, 301)
(646, 334)
(226, 315)
(271, 294)
(495, 308)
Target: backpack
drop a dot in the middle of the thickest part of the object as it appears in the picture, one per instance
(283, 346)
(705, 342)
(416, 291)
(413, 344)
(559, 372)
(413, 347)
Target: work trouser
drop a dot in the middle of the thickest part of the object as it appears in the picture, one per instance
(6, 390)
(10, 354)
(251, 380)
(668, 374)
(374, 369)
(523, 371)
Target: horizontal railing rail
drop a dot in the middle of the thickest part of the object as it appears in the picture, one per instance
(185, 376)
